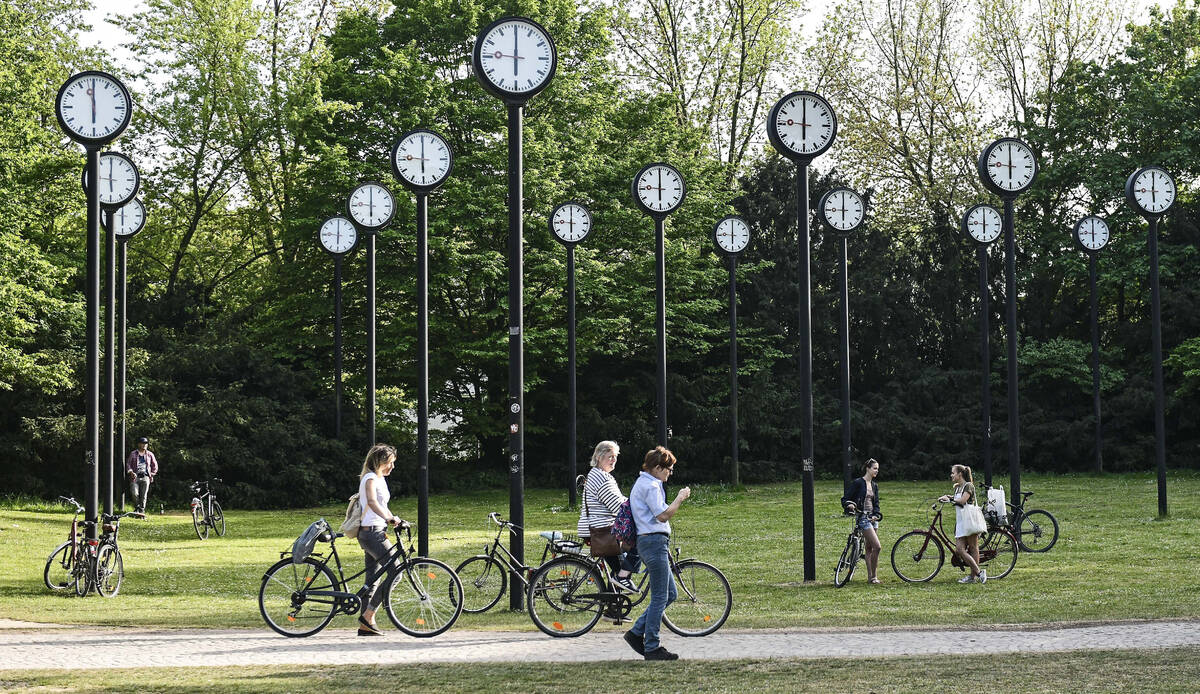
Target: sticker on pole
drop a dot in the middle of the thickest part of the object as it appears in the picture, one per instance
(808, 465)
(513, 428)
(515, 407)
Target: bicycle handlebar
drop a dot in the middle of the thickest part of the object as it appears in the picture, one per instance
(71, 500)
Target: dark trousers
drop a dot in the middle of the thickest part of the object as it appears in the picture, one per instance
(376, 546)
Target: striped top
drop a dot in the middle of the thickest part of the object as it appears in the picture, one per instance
(602, 497)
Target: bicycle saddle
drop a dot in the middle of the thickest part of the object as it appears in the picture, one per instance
(551, 535)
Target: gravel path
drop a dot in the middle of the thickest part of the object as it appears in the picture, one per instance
(26, 646)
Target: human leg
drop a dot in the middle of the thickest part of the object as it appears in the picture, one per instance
(653, 550)
(962, 547)
(376, 547)
(871, 538)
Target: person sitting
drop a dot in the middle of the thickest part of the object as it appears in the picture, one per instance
(602, 499)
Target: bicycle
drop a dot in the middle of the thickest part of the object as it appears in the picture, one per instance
(485, 576)
(1036, 530)
(852, 554)
(423, 596)
(206, 512)
(568, 595)
(65, 566)
(108, 571)
(914, 559)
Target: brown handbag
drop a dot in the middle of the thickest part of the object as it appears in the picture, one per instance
(601, 542)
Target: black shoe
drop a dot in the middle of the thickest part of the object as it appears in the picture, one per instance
(365, 628)
(637, 643)
(661, 653)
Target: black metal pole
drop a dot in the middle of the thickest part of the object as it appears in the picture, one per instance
(572, 444)
(1014, 413)
(806, 397)
(660, 325)
(109, 457)
(122, 353)
(423, 375)
(734, 476)
(516, 365)
(985, 355)
(371, 441)
(1096, 362)
(337, 346)
(91, 477)
(847, 463)
(1160, 428)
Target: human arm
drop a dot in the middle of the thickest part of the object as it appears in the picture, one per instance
(373, 502)
(673, 507)
(608, 494)
(152, 465)
(854, 495)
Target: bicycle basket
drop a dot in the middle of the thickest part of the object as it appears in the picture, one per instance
(303, 546)
(567, 544)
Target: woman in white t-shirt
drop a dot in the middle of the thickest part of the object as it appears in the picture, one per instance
(373, 497)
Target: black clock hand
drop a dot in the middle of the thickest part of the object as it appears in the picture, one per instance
(92, 93)
(515, 52)
(422, 155)
(803, 121)
(660, 188)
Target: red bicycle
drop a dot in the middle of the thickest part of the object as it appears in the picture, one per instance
(919, 554)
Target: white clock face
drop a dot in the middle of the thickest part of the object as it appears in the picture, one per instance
(804, 124)
(371, 205)
(129, 218)
(659, 188)
(984, 223)
(422, 159)
(1153, 190)
(118, 179)
(338, 235)
(516, 57)
(93, 107)
(732, 234)
(1092, 233)
(1011, 166)
(843, 210)
(571, 222)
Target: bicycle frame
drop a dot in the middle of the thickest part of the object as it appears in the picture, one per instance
(388, 565)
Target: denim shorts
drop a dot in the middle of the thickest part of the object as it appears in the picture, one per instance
(868, 524)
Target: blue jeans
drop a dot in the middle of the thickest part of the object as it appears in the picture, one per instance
(653, 550)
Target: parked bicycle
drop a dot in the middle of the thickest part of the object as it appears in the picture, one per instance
(299, 596)
(206, 512)
(485, 576)
(568, 596)
(918, 555)
(109, 567)
(1036, 530)
(66, 567)
(852, 554)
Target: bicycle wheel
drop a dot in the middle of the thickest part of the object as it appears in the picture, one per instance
(917, 556)
(199, 524)
(110, 571)
(284, 602)
(424, 597)
(704, 600)
(847, 563)
(81, 574)
(483, 582)
(564, 597)
(1000, 556)
(218, 519)
(57, 573)
(1037, 531)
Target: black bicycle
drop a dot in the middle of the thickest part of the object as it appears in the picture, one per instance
(109, 571)
(1036, 529)
(299, 596)
(852, 554)
(206, 512)
(485, 576)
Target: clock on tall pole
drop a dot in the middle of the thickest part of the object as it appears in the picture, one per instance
(570, 224)
(514, 59)
(659, 190)
(801, 126)
(1151, 191)
(732, 236)
(1092, 235)
(93, 108)
(338, 236)
(422, 160)
(843, 211)
(983, 224)
(1008, 167)
(371, 207)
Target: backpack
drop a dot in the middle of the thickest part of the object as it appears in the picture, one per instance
(623, 527)
(353, 518)
(303, 546)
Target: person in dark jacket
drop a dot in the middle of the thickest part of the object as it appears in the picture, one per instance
(863, 494)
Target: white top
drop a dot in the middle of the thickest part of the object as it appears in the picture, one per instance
(647, 501)
(370, 519)
(602, 499)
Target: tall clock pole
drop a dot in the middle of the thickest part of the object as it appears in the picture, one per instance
(985, 357)
(423, 374)
(110, 320)
(572, 442)
(660, 325)
(1010, 290)
(92, 444)
(516, 325)
(1095, 321)
(1160, 428)
(732, 236)
(371, 208)
(844, 275)
(122, 347)
(371, 440)
(337, 346)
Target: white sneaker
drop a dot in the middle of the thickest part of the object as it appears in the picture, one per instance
(983, 575)
(967, 579)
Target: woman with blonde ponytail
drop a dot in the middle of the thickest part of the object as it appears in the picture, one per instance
(967, 545)
(373, 497)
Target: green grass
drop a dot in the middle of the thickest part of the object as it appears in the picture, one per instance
(1170, 670)
(1115, 560)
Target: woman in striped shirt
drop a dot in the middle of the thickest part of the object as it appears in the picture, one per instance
(602, 499)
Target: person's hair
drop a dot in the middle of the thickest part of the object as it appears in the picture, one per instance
(379, 455)
(602, 449)
(658, 457)
(964, 470)
(867, 465)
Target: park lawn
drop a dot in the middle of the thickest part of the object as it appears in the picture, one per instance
(1165, 671)
(1114, 559)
